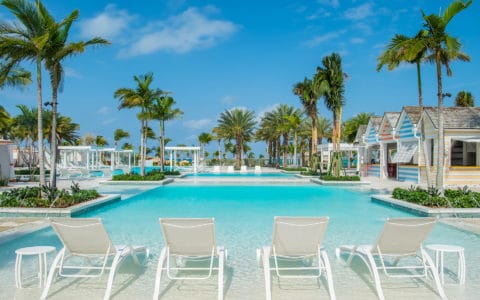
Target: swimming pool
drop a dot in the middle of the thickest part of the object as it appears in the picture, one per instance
(247, 175)
(244, 218)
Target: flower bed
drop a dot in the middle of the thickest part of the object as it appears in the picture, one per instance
(154, 175)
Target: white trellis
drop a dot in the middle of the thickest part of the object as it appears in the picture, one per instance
(173, 155)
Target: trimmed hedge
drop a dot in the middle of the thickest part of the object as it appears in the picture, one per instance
(299, 169)
(461, 198)
(154, 175)
(340, 178)
(32, 197)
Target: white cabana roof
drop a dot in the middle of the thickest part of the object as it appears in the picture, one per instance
(180, 148)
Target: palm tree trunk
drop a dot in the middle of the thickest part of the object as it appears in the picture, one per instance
(440, 133)
(239, 151)
(313, 163)
(285, 149)
(423, 140)
(40, 121)
(142, 145)
(162, 146)
(295, 149)
(53, 142)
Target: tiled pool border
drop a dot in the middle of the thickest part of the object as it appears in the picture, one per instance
(427, 211)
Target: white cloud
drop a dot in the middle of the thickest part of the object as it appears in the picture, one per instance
(190, 30)
(69, 72)
(265, 110)
(108, 24)
(332, 3)
(104, 110)
(360, 12)
(227, 100)
(357, 40)
(198, 124)
(108, 121)
(323, 38)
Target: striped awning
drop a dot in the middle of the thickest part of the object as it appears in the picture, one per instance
(405, 152)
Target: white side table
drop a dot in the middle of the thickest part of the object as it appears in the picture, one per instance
(439, 250)
(41, 251)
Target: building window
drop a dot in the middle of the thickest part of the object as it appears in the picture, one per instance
(463, 154)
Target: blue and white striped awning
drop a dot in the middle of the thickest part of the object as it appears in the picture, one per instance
(405, 152)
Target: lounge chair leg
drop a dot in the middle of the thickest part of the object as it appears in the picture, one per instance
(376, 277)
(51, 273)
(158, 276)
(266, 271)
(434, 271)
(113, 270)
(221, 265)
(328, 270)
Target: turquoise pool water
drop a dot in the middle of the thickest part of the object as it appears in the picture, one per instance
(238, 174)
(244, 217)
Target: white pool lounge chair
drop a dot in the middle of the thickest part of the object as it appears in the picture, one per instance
(87, 239)
(296, 240)
(189, 241)
(243, 169)
(216, 169)
(230, 169)
(258, 170)
(400, 238)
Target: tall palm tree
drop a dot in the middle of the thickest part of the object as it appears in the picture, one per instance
(161, 109)
(413, 51)
(5, 121)
(57, 51)
(204, 139)
(284, 126)
(25, 128)
(268, 132)
(294, 122)
(237, 124)
(100, 141)
(309, 96)
(464, 99)
(28, 41)
(119, 134)
(443, 49)
(329, 81)
(140, 97)
(350, 127)
(88, 139)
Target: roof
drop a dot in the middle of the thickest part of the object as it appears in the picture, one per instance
(392, 118)
(376, 121)
(360, 132)
(456, 117)
(413, 113)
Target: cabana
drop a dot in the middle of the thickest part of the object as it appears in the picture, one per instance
(372, 141)
(173, 155)
(349, 157)
(388, 145)
(91, 158)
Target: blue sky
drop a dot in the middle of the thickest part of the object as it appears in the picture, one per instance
(217, 55)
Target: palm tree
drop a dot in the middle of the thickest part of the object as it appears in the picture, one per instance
(284, 117)
(413, 51)
(204, 139)
(57, 51)
(329, 81)
(118, 135)
(350, 127)
(269, 132)
(142, 97)
(13, 76)
(88, 139)
(28, 41)
(464, 99)
(127, 146)
(5, 121)
(308, 97)
(100, 141)
(162, 110)
(443, 49)
(237, 124)
(25, 128)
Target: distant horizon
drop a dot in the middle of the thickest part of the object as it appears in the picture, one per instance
(215, 56)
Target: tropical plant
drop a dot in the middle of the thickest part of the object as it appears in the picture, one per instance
(5, 121)
(13, 76)
(443, 49)
(100, 141)
(161, 109)
(28, 41)
(118, 135)
(140, 97)
(464, 99)
(88, 139)
(204, 139)
(350, 127)
(329, 81)
(309, 96)
(24, 129)
(127, 146)
(58, 50)
(237, 124)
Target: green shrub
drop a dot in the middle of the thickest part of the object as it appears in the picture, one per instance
(310, 173)
(32, 197)
(298, 169)
(461, 198)
(339, 178)
(150, 176)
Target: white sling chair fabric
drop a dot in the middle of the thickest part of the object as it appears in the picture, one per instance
(192, 239)
(297, 238)
(399, 238)
(87, 238)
